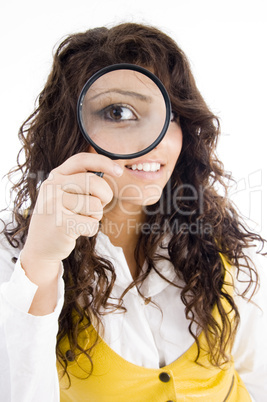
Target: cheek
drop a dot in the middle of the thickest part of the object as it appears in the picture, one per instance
(91, 150)
(174, 142)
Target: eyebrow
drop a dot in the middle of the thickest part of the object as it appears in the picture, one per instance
(137, 95)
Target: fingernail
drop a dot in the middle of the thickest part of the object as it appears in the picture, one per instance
(117, 170)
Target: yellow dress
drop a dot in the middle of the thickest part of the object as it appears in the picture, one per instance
(116, 380)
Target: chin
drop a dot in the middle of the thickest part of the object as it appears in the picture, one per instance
(151, 199)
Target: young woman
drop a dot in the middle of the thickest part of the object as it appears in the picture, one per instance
(135, 285)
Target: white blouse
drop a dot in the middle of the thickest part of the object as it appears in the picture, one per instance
(145, 335)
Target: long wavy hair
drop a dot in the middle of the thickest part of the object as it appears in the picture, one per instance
(51, 135)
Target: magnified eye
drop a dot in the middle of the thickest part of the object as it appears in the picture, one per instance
(119, 113)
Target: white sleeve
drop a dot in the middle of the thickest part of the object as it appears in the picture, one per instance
(250, 347)
(27, 343)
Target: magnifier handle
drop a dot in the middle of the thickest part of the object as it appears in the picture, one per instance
(100, 174)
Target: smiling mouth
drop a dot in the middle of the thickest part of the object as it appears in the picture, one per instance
(145, 167)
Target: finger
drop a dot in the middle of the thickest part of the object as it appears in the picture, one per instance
(79, 225)
(89, 162)
(83, 205)
(87, 184)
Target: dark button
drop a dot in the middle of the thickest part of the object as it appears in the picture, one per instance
(169, 401)
(164, 377)
(70, 355)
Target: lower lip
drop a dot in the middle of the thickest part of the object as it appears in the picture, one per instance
(141, 174)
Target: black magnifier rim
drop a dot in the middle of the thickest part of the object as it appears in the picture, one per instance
(124, 66)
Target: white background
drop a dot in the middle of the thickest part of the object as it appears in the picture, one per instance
(225, 42)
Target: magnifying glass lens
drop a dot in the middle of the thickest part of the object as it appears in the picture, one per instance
(123, 112)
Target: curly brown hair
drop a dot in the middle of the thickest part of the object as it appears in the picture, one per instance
(51, 135)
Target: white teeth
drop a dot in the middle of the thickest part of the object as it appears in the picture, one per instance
(154, 166)
(146, 167)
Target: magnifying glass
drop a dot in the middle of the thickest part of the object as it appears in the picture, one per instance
(123, 111)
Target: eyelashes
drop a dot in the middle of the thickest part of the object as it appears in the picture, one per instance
(117, 113)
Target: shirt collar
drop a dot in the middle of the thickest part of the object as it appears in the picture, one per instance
(152, 285)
